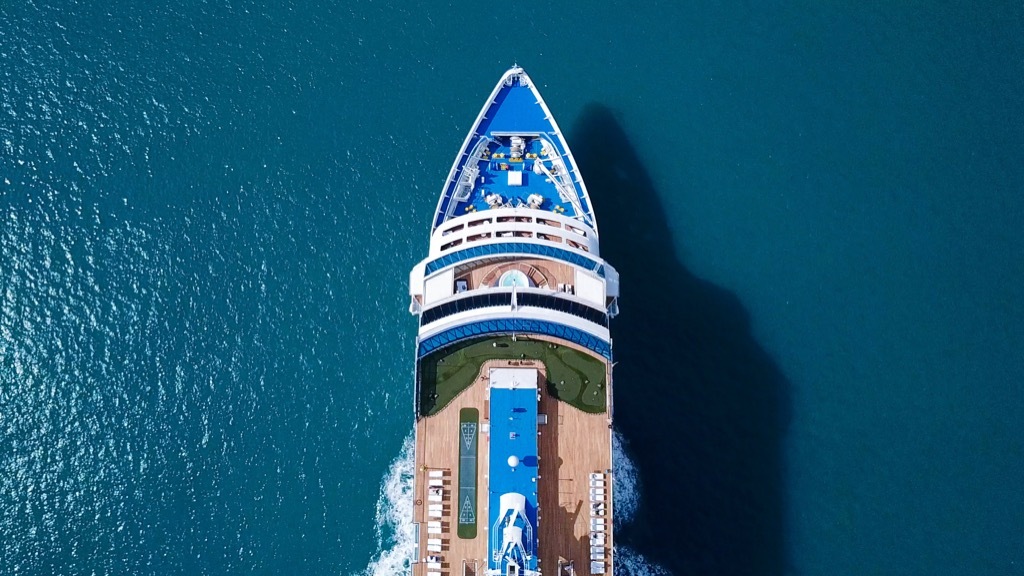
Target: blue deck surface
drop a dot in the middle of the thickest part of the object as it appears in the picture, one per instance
(513, 432)
(515, 109)
(495, 174)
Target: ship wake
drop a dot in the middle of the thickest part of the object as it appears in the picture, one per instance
(626, 500)
(396, 545)
(395, 542)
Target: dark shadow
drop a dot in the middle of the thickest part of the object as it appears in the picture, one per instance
(426, 386)
(558, 508)
(702, 407)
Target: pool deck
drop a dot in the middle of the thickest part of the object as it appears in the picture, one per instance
(543, 273)
(571, 445)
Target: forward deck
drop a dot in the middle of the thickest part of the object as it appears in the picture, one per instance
(515, 156)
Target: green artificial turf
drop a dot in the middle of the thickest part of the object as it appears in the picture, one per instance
(574, 377)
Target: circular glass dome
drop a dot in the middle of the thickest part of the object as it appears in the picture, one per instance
(514, 278)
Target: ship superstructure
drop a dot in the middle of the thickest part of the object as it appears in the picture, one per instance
(513, 399)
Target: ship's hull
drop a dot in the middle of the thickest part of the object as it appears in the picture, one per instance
(513, 396)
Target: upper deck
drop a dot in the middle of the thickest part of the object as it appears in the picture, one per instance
(515, 156)
(514, 217)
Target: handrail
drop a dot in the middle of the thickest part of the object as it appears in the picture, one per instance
(566, 189)
(466, 168)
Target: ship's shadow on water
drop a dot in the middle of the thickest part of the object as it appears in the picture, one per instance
(702, 407)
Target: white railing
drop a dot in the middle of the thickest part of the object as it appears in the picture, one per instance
(470, 170)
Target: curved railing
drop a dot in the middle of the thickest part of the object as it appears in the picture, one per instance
(496, 297)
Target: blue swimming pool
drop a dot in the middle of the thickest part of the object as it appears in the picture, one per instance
(514, 278)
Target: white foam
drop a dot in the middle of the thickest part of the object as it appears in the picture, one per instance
(396, 546)
(395, 543)
(626, 496)
(628, 562)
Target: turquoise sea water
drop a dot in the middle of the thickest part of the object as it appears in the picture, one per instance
(208, 211)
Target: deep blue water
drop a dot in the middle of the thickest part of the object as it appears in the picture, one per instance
(208, 211)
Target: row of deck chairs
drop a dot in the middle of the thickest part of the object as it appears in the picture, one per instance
(435, 510)
(598, 526)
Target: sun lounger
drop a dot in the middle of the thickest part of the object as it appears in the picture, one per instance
(433, 574)
(596, 475)
(433, 565)
(435, 514)
(433, 547)
(437, 473)
(435, 498)
(596, 483)
(436, 506)
(597, 567)
(435, 541)
(433, 529)
(436, 482)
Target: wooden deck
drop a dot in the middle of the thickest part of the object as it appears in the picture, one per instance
(571, 445)
(541, 272)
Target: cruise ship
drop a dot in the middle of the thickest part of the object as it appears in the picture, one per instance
(513, 395)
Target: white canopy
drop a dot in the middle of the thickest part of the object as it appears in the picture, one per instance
(513, 378)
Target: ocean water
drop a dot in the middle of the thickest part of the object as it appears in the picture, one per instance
(208, 211)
